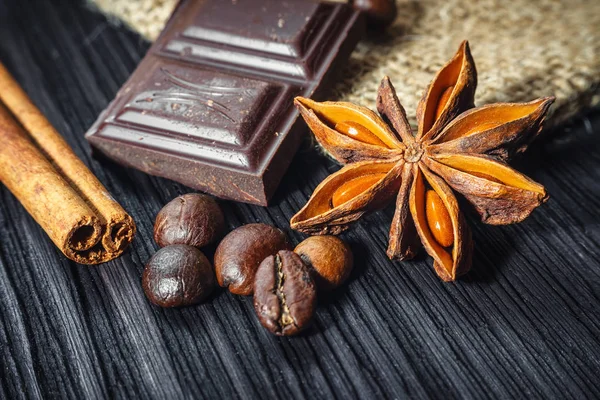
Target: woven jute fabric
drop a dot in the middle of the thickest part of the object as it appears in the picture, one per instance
(523, 49)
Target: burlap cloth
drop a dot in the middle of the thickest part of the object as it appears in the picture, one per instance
(523, 49)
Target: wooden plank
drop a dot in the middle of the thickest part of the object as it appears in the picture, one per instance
(524, 323)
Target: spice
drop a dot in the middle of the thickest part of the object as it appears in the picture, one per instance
(178, 275)
(456, 148)
(240, 253)
(285, 296)
(329, 258)
(379, 12)
(194, 219)
(54, 185)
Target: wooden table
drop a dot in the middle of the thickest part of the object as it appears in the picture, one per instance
(524, 323)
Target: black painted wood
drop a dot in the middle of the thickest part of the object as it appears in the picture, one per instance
(524, 323)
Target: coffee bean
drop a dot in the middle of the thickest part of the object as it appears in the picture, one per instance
(379, 12)
(178, 275)
(240, 253)
(330, 258)
(193, 219)
(285, 296)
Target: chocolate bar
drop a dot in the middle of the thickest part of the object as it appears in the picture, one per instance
(211, 104)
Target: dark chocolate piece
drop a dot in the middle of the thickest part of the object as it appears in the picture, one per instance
(211, 104)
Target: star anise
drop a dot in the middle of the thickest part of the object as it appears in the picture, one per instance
(456, 148)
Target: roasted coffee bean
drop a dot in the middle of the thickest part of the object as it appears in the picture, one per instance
(240, 253)
(193, 219)
(285, 295)
(379, 12)
(330, 258)
(178, 275)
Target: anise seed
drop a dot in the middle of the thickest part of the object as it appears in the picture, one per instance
(443, 100)
(358, 132)
(353, 188)
(438, 219)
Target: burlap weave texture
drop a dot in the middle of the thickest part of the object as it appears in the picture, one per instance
(523, 49)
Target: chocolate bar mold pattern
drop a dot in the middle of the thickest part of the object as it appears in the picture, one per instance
(287, 42)
(214, 120)
(210, 105)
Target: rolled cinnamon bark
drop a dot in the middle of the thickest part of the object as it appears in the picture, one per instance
(53, 184)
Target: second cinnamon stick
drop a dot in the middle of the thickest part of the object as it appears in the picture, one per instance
(53, 184)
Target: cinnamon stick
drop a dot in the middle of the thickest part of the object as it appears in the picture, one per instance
(53, 184)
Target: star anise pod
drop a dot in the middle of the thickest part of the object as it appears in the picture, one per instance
(456, 148)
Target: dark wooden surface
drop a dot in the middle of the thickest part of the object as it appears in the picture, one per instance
(524, 323)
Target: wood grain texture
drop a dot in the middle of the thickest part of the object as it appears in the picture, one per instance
(524, 323)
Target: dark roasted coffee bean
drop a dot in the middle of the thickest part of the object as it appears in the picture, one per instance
(330, 258)
(285, 296)
(379, 12)
(178, 275)
(240, 253)
(193, 219)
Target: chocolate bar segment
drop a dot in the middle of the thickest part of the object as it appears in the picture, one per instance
(211, 104)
